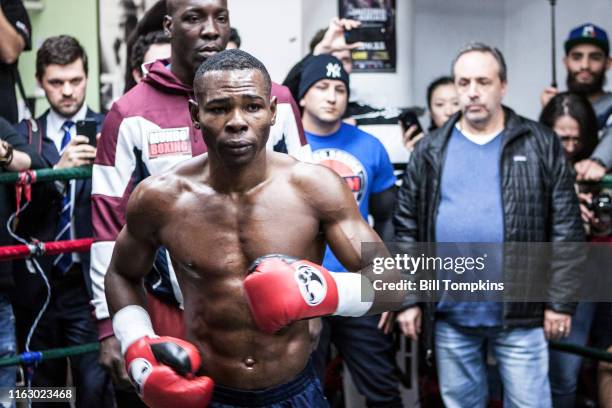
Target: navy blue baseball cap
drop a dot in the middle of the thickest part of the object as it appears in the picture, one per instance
(588, 34)
(318, 67)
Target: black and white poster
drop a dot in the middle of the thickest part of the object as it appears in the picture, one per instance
(377, 32)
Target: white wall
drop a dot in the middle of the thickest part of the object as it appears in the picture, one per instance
(441, 27)
(528, 49)
(429, 33)
(520, 28)
(271, 30)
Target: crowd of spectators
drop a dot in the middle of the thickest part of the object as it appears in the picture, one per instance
(479, 173)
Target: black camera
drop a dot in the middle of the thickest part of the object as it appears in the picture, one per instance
(407, 119)
(602, 210)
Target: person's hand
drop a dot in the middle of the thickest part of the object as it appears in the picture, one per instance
(586, 199)
(556, 325)
(334, 40)
(386, 322)
(410, 322)
(77, 153)
(547, 94)
(589, 170)
(3, 148)
(281, 290)
(164, 371)
(410, 139)
(111, 360)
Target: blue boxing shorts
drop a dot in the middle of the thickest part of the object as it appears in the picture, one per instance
(304, 391)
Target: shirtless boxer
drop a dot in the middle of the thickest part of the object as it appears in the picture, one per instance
(132, 148)
(218, 215)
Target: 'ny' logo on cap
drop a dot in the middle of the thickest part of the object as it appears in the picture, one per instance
(333, 70)
(588, 31)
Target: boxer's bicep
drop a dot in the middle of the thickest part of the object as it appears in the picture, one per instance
(345, 237)
(345, 231)
(133, 256)
(134, 249)
(342, 223)
(131, 261)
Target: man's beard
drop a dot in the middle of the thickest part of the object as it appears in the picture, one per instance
(586, 89)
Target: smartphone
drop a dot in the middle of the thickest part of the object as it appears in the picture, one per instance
(89, 128)
(409, 118)
(365, 34)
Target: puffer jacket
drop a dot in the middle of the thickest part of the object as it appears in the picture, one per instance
(539, 204)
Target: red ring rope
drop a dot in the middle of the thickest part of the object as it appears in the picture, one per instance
(44, 248)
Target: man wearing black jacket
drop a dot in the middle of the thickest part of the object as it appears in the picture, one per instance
(11, 159)
(490, 175)
(15, 32)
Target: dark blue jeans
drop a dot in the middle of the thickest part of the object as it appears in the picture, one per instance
(565, 367)
(522, 357)
(7, 344)
(368, 353)
(68, 322)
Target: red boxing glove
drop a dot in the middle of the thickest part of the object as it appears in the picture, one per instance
(281, 290)
(163, 371)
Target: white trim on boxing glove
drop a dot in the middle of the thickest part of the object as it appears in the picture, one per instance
(131, 323)
(352, 288)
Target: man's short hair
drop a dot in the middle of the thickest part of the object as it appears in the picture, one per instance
(142, 45)
(482, 47)
(233, 60)
(60, 50)
(316, 39)
(235, 37)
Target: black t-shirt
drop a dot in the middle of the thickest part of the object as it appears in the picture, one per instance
(7, 195)
(16, 14)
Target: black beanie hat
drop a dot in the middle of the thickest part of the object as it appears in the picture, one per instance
(320, 67)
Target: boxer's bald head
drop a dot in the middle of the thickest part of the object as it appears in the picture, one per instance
(231, 60)
(233, 106)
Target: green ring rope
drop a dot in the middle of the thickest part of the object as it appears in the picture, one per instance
(82, 172)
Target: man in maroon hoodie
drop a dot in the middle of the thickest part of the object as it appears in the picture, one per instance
(148, 131)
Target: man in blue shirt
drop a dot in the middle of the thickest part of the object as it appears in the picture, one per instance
(363, 162)
(489, 175)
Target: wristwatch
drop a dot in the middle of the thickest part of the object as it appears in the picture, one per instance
(8, 155)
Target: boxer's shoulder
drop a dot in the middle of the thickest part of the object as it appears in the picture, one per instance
(159, 192)
(313, 176)
(320, 186)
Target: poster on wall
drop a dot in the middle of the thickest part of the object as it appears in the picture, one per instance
(117, 20)
(377, 32)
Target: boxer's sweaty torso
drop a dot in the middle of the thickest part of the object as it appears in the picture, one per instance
(213, 237)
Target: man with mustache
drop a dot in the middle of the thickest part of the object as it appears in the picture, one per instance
(147, 132)
(587, 59)
(490, 175)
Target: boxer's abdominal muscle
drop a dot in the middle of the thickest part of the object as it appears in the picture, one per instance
(212, 249)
